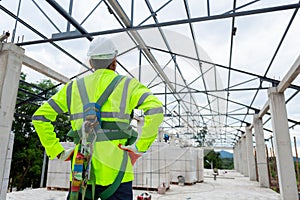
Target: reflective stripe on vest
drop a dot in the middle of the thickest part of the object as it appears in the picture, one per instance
(40, 118)
(69, 93)
(154, 111)
(142, 98)
(103, 115)
(55, 107)
(119, 115)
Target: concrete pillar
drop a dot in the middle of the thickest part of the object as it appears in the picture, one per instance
(262, 166)
(243, 167)
(237, 156)
(240, 157)
(282, 142)
(250, 154)
(235, 162)
(11, 57)
(245, 156)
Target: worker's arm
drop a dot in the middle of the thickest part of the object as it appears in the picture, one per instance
(42, 119)
(143, 99)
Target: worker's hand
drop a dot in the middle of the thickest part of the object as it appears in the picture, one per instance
(132, 151)
(66, 154)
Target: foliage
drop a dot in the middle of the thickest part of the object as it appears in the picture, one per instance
(213, 157)
(27, 158)
(218, 162)
(227, 163)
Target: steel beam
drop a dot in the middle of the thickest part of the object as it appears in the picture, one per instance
(296, 87)
(42, 36)
(211, 91)
(70, 19)
(171, 23)
(120, 12)
(275, 54)
(169, 48)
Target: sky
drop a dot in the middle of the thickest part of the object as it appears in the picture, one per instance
(254, 44)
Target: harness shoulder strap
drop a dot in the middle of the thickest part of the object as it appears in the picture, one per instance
(82, 91)
(103, 98)
(109, 90)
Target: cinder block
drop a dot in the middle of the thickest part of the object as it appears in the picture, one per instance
(58, 175)
(151, 180)
(200, 165)
(189, 177)
(151, 171)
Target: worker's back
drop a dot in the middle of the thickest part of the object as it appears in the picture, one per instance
(108, 120)
(107, 157)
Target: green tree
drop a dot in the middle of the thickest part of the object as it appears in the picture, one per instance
(27, 158)
(213, 157)
(227, 163)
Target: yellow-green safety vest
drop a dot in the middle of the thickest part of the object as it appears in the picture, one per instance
(128, 95)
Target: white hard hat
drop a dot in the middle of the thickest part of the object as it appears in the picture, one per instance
(102, 48)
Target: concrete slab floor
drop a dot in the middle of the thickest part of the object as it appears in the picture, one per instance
(230, 185)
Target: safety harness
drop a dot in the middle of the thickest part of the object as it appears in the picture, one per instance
(95, 130)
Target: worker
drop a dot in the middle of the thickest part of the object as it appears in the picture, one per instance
(166, 137)
(108, 154)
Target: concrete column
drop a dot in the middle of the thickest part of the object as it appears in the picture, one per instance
(282, 142)
(262, 166)
(250, 154)
(237, 157)
(11, 57)
(240, 157)
(235, 162)
(245, 156)
(243, 167)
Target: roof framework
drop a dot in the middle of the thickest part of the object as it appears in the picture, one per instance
(210, 64)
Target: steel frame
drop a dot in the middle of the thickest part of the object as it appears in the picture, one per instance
(127, 25)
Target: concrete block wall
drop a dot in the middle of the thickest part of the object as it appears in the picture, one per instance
(58, 175)
(163, 163)
(151, 180)
(182, 162)
(152, 170)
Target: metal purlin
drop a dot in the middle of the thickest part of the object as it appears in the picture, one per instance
(170, 23)
(120, 12)
(42, 36)
(192, 20)
(271, 80)
(276, 51)
(169, 48)
(240, 71)
(196, 49)
(230, 57)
